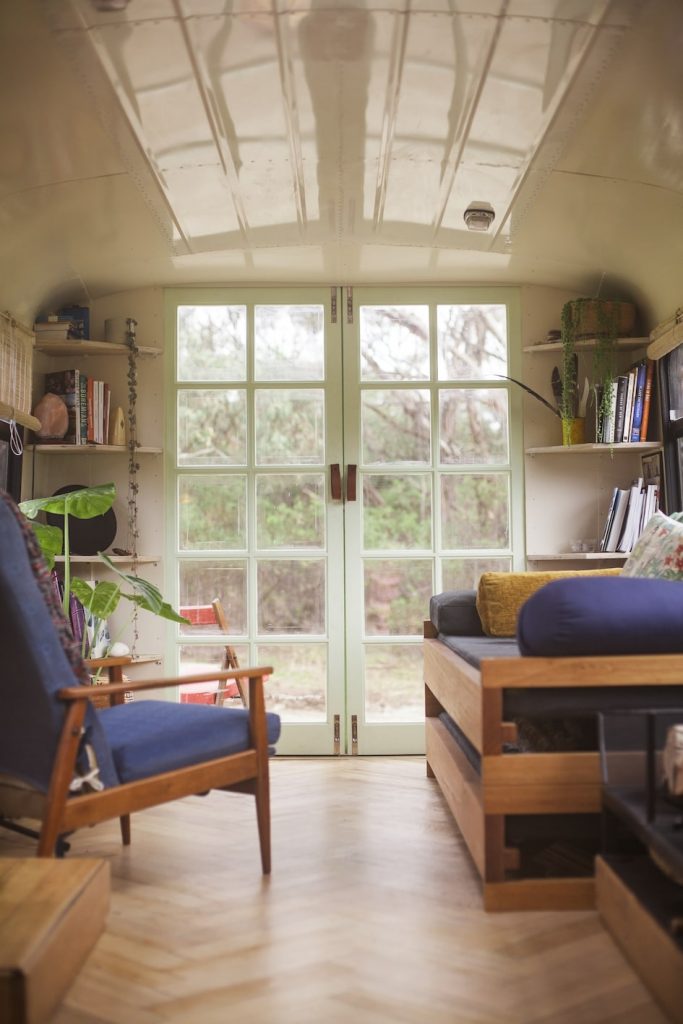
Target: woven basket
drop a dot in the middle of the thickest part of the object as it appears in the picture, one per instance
(16, 364)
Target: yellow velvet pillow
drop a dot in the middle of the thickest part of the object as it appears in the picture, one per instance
(500, 595)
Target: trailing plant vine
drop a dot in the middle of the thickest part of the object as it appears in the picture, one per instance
(133, 464)
(574, 314)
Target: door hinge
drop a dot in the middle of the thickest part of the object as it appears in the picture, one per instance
(333, 305)
(349, 305)
(337, 735)
(354, 734)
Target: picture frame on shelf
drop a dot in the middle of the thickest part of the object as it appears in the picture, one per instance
(652, 467)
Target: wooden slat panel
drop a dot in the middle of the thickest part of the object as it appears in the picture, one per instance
(542, 799)
(528, 769)
(654, 954)
(631, 670)
(456, 686)
(460, 785)
(540, 894)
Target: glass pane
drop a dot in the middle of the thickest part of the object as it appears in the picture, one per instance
(290, 427)
(212, 512)
(212, 342)
(395, 426)
(475, 510)
(202, 582)
(394, 342)
(212, 428)
(464, 573)
(289, 343)
(472, 341)
(297, 690)
(473, 426)
(291, 596)
(394, 688)
(290, 511)
(397, 593)
(196, 659)
(397, 511)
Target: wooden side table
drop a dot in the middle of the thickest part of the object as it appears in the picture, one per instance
(51, 914)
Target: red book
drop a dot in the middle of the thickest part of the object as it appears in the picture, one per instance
(647, 398)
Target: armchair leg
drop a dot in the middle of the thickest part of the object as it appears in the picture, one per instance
(125, 829)
(262, 794)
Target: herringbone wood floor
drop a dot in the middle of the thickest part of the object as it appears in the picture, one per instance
(372, 915)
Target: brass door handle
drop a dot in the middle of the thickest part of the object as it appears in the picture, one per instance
(335, 482)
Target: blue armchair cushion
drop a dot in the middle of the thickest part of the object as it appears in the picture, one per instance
(151, 736)
(603, 615)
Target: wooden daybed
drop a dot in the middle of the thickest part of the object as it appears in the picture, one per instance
(500, 798)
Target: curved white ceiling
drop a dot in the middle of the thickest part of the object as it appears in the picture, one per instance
(319, 141)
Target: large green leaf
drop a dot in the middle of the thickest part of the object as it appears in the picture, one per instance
(50, 539)
(164, 610)
(145, 594)
(85, 503)
(100, 600)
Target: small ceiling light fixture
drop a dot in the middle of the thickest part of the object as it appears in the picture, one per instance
(109, 5)
(479, 216)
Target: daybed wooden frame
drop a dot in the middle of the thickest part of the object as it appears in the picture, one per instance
(534, 783)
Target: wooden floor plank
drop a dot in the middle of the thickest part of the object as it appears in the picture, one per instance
(373, 914)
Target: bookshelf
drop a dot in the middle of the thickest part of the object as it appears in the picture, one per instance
(91, 348)
(93, 449)
(569, 488)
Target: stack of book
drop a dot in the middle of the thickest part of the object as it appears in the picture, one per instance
(629, 412)
(88, 402)
(56, 329)
(630, 510)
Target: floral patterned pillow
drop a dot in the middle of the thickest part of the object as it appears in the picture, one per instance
(658, 552)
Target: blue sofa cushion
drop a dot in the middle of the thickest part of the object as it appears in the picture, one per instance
(454, 613)
(151, 736)
(603, 615)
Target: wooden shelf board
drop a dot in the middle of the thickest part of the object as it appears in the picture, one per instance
(90, 348)
(92, 449)
(581, 556)
(592, 449)
(121, 559)
(585, 344)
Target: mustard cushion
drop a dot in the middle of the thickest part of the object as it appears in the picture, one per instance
(500, 595)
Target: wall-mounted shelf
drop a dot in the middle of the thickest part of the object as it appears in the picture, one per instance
(90, 348)
(581, 556)
(119, 559)
(586, 344)
(592, 449)
(91, 449)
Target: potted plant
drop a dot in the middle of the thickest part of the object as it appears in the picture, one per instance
(602, 320)
(102, 599)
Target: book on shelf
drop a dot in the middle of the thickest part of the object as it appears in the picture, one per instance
(620, 415)
(88, 402)
(626, 431)
(615, 519)
(629, 512)
(647, 399)
(637, 418)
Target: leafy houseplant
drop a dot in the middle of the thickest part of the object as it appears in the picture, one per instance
(599, 319)
(102, 599)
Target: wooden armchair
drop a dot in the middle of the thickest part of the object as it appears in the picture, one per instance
(86, 764)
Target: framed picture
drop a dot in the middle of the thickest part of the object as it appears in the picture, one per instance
(10, 464)
(653, 473)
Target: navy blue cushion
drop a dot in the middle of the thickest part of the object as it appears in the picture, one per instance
(603, 615)
(151, 736)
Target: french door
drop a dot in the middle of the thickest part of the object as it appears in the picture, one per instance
(337, 457)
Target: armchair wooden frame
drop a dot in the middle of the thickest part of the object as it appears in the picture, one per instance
(245, 772)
